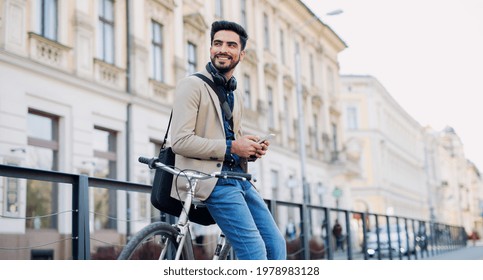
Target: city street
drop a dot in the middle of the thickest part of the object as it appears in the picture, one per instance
(470, 252)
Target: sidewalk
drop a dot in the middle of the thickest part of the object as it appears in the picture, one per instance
(470, 252)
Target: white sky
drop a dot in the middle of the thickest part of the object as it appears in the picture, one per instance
(428, 54)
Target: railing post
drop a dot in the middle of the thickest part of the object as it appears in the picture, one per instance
(364, 235)
(348, 238)
(330, 252)
(398, 228)
(378, 238)
(389, 241)
(415, 235)
(76, 229)
(305, 230)
(80, 219)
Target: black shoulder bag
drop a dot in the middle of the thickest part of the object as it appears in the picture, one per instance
(161, 192)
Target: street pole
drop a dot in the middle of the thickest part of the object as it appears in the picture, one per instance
(302, 153)
(301, 124)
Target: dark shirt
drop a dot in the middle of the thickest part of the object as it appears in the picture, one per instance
(229, 133)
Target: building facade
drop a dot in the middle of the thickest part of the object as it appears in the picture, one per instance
(406, 169)
(456, 183)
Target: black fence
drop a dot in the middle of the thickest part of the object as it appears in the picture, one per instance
(361, 235)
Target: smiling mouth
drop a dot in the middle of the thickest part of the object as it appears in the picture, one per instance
(223, 58)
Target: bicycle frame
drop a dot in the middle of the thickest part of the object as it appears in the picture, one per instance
(182, 226)
(183, 221)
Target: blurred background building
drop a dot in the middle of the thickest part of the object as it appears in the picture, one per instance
(406, 169)
(87, 86)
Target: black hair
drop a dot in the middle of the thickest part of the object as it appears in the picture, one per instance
(232, 26)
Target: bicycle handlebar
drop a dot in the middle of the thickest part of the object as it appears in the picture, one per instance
(149, 161)
(154, 163)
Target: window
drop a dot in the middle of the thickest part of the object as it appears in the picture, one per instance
(288, 119)
(282, 46)
(192, 58)
(335, 152)
(219, 8)
(271, 109)
(42, 153)
(11, 196)
(352, 118)
(157, 51)
(321, 192)
(275, 187)
(298, 61)
(292, 184)
(331, 81)
(312, 73)
(48, 19)
(274, 181)
(105, 47)
(243, 11)
(315, 136)
(266, 30)
(105, 204)
(247, 99)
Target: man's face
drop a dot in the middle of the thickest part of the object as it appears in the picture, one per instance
(225, 51)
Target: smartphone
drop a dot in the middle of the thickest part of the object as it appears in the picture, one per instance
(266, 137)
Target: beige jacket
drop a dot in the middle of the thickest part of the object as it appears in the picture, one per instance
(197, 133)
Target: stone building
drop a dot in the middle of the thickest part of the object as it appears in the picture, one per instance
(406, 169)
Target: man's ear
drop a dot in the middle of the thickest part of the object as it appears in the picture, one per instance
(242, 55)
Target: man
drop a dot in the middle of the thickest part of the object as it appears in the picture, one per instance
(338, 236)
(205, 138)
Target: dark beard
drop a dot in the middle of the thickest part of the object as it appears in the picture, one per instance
(224, 69)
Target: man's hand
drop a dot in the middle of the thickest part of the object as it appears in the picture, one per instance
(247, 146)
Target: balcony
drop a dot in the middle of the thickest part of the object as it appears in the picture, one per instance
(48, 52)
(109, 75)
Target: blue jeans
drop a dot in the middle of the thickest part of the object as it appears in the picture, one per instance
(244, 218)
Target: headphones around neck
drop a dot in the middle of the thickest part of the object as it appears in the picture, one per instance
(220, 79)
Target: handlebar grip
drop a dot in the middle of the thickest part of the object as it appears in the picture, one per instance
(151, 162)
(144, 160)
(236, 174)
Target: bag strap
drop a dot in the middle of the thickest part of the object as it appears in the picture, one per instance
(224, 104)
(167, 131)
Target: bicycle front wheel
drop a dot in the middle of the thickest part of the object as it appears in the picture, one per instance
(154, 239)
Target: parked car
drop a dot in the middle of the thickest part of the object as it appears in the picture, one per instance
(399, 241)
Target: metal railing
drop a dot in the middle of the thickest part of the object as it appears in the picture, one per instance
(366, 235)
(80, 199)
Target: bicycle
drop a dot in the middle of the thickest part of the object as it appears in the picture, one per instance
(164, 241)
